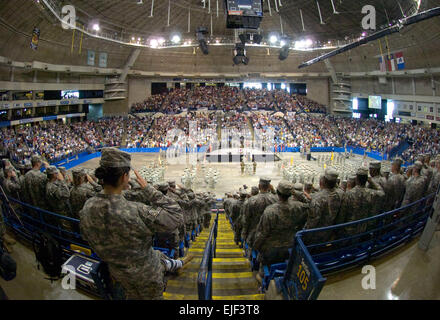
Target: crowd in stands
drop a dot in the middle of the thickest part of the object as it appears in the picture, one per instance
(295, 121)
(227, 98)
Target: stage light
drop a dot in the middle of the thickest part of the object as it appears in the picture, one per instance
(200, 34)
(240, 54)
(161, 41)
(175, 39)
(96, 27)
(273, 39)
(154, 43)
(285, 47)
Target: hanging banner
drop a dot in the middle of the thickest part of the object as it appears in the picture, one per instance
(103, 60)
(35, 38)
(90, 57)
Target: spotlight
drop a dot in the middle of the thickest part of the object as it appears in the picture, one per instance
(240, 54)
(201, 32)
(96, 27)
(273, 39)
(154, 43)
(175, 39)
(285, 46)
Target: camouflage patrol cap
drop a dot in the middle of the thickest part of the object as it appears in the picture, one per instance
(52, 170)
(254, 191)
(163, 186)
(27, 165)
(352, 179)
(285, 188)
(298, 186)
(78, 172)
(242, 193)
(172, 183)
(308, 185)
(421, 158)
(385, 170)
(36, 158)
(115, 158)
(418, 165)
(265, 181)
(375, 165)
(362, 171)
(331, 174)
(62, 170)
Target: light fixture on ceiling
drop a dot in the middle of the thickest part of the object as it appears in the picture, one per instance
(175, 38)
(273, 38)
(240, 54)
(201, 32)
(96, 27)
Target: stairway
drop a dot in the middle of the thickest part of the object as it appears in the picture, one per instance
(232, 278)
(184, 285)
(251, 128)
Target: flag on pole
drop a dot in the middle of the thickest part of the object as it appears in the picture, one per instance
(383, 66)
(400, 61)
(391, 63)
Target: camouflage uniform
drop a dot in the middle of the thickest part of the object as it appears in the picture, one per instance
(121, 234)
(435, 181)
(324, 208)
(358, 203)
(12, 187)
(236, 211)
(298, 193)
(253, 211)
(34, 186)
(396, 187)
(58, 196)
(278, 226)
(379, 201)
(415, 189)
(81, 193)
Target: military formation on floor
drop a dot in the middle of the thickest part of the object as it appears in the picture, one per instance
(268, 219)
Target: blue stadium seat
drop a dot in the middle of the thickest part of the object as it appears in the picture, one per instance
(181, 249)
(271, 272)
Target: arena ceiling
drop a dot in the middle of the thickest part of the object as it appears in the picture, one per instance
(125, 19)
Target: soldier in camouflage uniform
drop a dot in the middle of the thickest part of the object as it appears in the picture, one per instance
(396, 185)
(254, 191)
(81, 191)
(435, 181)
(325, 205)
(427, 171)
(208, 201)
(358, 203)
(236, 210)
(415, 186)
(351, 183)
(11, 184)
(170, 240)
(278, 226)
(121, 231)
(300, 194)
(34, 184)
(379, 202)
(58, 197)
(254, 209)
(178, 194)
(227, 204)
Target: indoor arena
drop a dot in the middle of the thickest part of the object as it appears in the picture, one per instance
(219, 150)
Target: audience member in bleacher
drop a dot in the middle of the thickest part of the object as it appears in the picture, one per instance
(121, 231)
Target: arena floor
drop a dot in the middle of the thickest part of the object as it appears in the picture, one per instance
(230, 178)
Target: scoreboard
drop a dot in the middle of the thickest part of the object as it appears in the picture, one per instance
(244, 14)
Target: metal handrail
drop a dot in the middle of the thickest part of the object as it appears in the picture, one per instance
(204, 278)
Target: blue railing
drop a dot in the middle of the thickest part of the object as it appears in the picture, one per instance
(349, 245)
(204, 278)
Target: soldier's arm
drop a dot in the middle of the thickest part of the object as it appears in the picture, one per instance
(262, 231)
(62, 191)
(313, 218)
(160, 219)
(14, 185)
